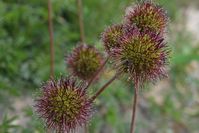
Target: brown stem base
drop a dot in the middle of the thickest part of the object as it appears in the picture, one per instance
(50, 29)
(81, 23)
(104, 87)
(135, 102)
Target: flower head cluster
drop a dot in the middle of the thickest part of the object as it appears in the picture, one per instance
(147, 15)
(84, 61)
(64, 104)
(140, 49)
(142, 54)
(111, 36)
(137, 48)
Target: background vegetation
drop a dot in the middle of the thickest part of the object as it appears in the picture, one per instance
(171, 106)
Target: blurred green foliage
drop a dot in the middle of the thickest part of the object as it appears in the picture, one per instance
(7, 125)
(24, 65)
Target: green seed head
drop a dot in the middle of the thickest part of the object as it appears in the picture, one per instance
(64, 104)
(111, 36)
(84, 61)
(142, 55)
(147, 15)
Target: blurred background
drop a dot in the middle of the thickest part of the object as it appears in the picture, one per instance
(170, 106)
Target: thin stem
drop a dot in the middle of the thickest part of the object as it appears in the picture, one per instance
(48, 130)
(97, 72)
(82, 36)
(81, 21)
(136, 84)
(50, 29)
(104, 87)
(86, 129)
(91, 80)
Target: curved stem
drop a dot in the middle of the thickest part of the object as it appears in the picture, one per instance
(50, 29)
(81, 21)
(136, 84)
(104, 87)
(97, 72)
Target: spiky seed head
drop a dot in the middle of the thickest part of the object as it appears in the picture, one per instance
(147, 15)
(84, 61)
(143, 55)
(111, 35)
(63, 104)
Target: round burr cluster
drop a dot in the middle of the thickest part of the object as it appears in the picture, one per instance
(143, 55)
(84, 61)
(147, 15)
(111, 36)
(64, 104)
(138, 46)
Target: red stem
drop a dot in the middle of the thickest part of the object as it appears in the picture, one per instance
(104, 87)
(82, 35)
(81, 21)
(135, 102)
(86, 129)
(97, 72)
(50, 29)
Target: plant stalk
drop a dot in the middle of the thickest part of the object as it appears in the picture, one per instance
(50, 29)
(97, 72)
(81, 20)
(135, 102)
(82, 35)
(104, 87)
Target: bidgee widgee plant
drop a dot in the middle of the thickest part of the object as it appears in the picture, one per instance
(137, 48)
